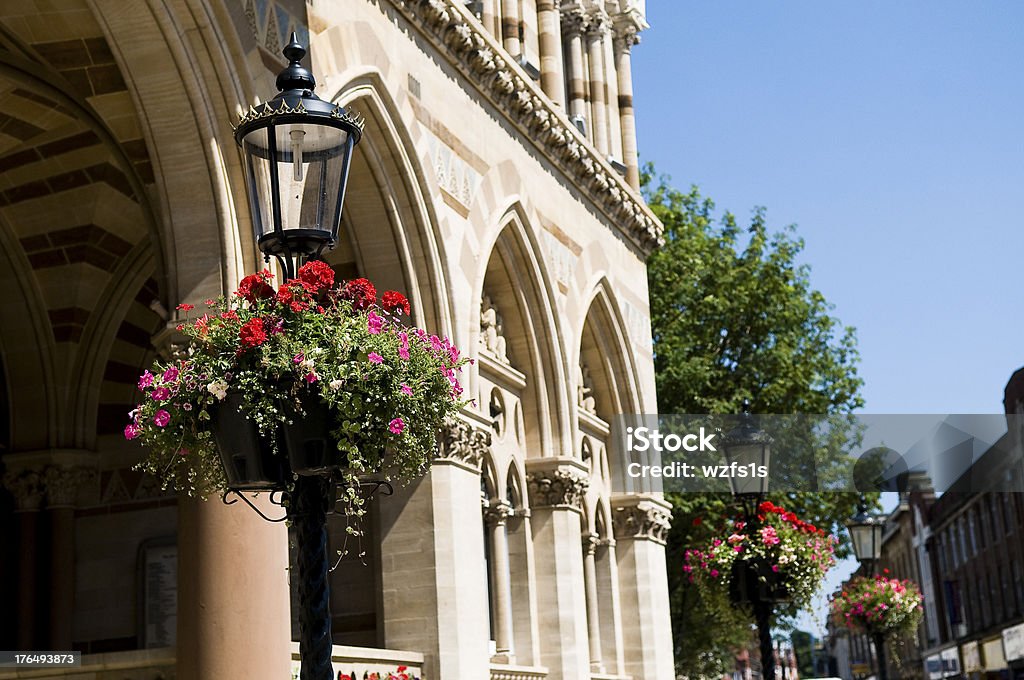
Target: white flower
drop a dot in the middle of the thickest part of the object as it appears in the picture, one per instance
(218, 388)
(335, 385)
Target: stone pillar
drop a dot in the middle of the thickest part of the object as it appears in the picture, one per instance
(552, 76)
(26, 485)
(556, 490)
(432, 552)
(528, 31)
(490, 18)
(573, 22)
(590, 543)
(497, 521)
(641, 523)
(597, 30)
(233, 603)
(612, 87)
(511, 37)
(61, 492)
(611, 625)
(626, 36)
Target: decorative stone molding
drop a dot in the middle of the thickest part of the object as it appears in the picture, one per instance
(28, 488)
(598, 23)
(626, 34)
(574, 20)
(641, 518)
(464, 442)
(454, 32)
(556, 483)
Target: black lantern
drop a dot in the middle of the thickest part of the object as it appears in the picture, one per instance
(297, 150)
(749, 448)
(866, 533)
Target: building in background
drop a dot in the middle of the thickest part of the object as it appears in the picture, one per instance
(496, 184)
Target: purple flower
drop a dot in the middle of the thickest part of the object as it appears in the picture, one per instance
(161, 418)
(374, 323)
(145, 380)
(375, 358)
(132, 431)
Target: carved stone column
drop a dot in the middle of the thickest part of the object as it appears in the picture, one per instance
(496, 516)
(27, 487)
(626, 36)
(597, 32)
(552, 76)
(62, 485)
(611, 625)
(573, 23)
(641, 523)
(556, 489)
(432, 575)
(511, 32)
(590, 544)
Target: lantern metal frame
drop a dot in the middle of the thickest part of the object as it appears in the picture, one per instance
(870, 527)
(744, 436)
(295, 104)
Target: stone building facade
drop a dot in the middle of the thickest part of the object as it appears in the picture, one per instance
(496, 183)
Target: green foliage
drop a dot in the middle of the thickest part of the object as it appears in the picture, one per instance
(734, 317)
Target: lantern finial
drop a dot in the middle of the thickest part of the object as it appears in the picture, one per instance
(295, 76)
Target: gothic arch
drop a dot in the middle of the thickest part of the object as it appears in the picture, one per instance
(387, 182)
(515, 276)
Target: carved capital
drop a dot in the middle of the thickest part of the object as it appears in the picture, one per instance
(641, 518)
(28, 488)
(497, 513)
(625, 36)
(62, 484)
(598, 23)
(574, 21)
(557, 483)
(463, 442)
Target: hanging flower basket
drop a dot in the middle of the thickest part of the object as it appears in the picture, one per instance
(248, 459)
(878, 605)
(780, 559)
(311, 378)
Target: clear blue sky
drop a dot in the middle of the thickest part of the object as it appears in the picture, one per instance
(892, 134)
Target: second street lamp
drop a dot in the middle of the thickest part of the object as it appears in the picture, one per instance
(866, 533)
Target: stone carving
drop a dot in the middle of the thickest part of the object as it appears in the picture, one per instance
(453, 31)
(645, 520)
(62, 484)
(557, 487)
(585, 389)
(492, 336)
(497, 513)
(626, 36)
(28, 488)
(464, 443)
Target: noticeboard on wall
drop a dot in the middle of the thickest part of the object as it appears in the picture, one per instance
(158, 593)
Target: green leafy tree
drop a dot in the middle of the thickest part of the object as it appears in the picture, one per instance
(734, 317)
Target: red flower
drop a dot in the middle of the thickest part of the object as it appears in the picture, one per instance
(393, 300)
(361, 292)
(317, 274)
(254, 287)
(186, 307)
(697, 521)
(252, 334)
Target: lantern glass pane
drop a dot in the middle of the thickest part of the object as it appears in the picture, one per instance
(310, 160)
(748, 458)
(256, 160)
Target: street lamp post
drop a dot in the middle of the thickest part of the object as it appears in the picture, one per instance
(866, 534)
(297, 150)
(747, 445)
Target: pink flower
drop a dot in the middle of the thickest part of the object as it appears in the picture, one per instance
(310, 377)
(160, 394)
(769, 536)
(396, 426)
(161, 418)
(406, 390)
(298, 358)
(145, 380)
(374, 323)
(375, 358)
(171, 374)
(403, 353)
(132, 431)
